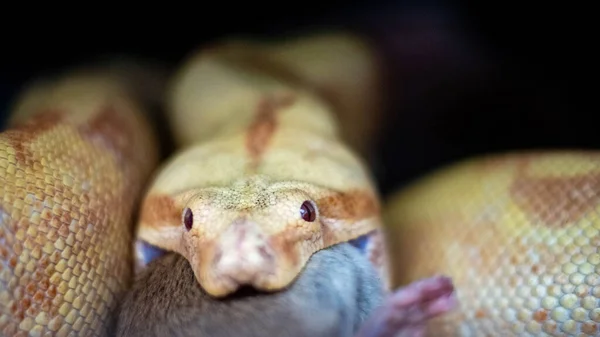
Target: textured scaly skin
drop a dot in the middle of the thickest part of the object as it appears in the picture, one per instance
(259, 136)
(519, 235)
(72, 167)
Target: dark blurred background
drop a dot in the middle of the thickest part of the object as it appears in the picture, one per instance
(467, 79)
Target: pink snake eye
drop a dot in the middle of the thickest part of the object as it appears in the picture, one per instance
(308, 212)
(188, 218)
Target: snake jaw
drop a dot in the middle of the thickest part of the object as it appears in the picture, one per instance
(243, 255)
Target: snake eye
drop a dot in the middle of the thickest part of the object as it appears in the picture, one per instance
(188, 218)
(307, 211)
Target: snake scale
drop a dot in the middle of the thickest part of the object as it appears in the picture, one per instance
(73, 165)
(517, 232)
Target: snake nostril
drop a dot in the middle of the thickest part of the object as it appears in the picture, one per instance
(266, 254)
(269, 263)
(218, 256)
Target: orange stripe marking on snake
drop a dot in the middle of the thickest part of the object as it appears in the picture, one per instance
(349, 205)
(557, 201)
(20, 136)
(265, 123)
(110, 129)
(352, 205)
(160, 210)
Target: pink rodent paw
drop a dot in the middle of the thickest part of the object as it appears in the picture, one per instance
(406, 312)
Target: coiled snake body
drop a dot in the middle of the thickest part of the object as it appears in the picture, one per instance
(517, 233)
(72, 168)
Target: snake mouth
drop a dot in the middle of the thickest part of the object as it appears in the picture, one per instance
(231, 273)
(362, 242)
(232, 287)
(246, 291)
(146, 253)
(227, 287)
(243, 255)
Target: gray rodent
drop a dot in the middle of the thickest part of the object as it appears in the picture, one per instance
(337, 295)
(332, 297)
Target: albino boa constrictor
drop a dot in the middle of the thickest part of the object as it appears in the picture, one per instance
(263, 179)
(78, 153)
(518, 234)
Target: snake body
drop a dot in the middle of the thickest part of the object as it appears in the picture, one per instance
(262, 129)
(518, 233)
(73, 164)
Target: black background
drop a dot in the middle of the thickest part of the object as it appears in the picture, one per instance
(468, 78)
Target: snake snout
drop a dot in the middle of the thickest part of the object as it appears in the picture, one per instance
(243, 255)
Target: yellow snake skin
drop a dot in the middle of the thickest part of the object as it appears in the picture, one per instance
(72, 168)
(519, 235)
(259, 138)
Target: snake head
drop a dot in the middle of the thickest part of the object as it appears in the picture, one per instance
(254, 233)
